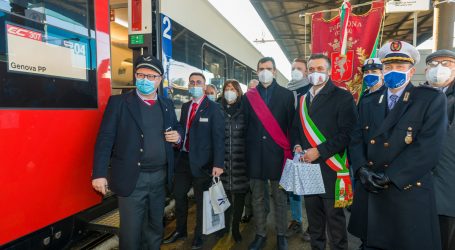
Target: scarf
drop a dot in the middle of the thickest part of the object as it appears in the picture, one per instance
(294, 85)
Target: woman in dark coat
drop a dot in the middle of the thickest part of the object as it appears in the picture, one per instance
(235, 180)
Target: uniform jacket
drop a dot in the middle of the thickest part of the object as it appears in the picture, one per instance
(120, 142)
(206, 137)
(334, 113)
(235, 176)
(359, 208)
(403, 216)
(444, 174)
(264, 157)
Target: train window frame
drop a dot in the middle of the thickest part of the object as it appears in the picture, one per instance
(245, 72)
(204, 47)
(26, 90)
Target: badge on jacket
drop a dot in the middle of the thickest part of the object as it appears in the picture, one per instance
(408, 138)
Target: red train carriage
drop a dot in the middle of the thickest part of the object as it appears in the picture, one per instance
(54, 86)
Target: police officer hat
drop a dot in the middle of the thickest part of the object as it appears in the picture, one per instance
(371, 64)
(149, 62)
(399, 51)
(440, 53)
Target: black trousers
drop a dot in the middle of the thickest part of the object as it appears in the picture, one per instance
(235, 211)
(182, 184)
(447, 226)
(321, 212)
(141, 213)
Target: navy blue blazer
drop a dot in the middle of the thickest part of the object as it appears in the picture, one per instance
(120, 140)
(206, 137)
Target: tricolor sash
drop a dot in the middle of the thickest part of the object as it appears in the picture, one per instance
(338, 163)
(269, 122)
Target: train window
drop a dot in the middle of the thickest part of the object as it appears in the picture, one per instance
(186, 59)
(186, 46)
(45, 61)
(70, 14)
(239, 72)
(214, 63)
(254, 75)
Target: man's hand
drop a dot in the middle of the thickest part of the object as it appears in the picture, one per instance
(216, 172)
(311, 155)
(100, 185)
(382, 180)
(298, 149)
(368, 179)
(172, 136)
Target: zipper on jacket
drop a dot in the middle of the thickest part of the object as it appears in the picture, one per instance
(230, 154)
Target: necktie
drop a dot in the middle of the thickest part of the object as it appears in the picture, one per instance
(190, 121)
(151, 102)
(392, 101)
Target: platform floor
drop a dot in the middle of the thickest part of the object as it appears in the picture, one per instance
(227, 243)
(248, 234)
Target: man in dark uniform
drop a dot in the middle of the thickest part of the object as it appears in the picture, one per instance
(200, 158)
(373, 80)
(136, 137)
(393, 150)
(372, 75)
(440, 73)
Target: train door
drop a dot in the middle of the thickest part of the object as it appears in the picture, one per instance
(133, 29)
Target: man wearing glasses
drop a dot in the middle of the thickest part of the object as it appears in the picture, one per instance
(201, 156)
(440, 73)
(136, 137)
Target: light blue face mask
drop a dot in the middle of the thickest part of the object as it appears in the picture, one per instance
(196, 92)
(211, 97)
(370, 80)
(145, 86)
(395, 79)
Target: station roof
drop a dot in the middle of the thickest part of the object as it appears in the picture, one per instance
(282, 17)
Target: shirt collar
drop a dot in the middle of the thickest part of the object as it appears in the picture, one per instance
(145, 99)
(313, 93)
(399, 93)
(199, 101)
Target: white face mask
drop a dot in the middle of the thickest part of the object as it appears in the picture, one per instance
(318, 78)
(296, 75)
(230, 96)
(265, 77)
(439, 75)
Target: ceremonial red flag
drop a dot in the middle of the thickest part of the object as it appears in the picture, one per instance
(362, 34)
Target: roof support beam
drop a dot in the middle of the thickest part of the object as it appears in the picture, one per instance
(263, 14)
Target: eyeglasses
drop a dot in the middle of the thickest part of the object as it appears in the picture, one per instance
(445, 63)
(150, 77)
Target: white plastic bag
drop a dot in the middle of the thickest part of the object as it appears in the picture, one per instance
(287, 176)
(220, 202)
(211, 222)
(302, 178)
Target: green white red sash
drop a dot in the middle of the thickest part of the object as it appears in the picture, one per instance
(338, 163)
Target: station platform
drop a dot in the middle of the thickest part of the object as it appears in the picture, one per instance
(295, 242)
